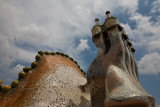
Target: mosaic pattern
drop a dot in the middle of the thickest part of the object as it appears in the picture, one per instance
(54, 79)
(113, 75)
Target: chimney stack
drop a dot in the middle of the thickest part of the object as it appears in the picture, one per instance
(97, 21)
(108, 14)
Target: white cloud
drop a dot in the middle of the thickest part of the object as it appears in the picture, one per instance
(9, 17)
(154, 45)
(146, 35)
(129, 6)
(49, 25)
(11, 75)
(18, 68)
(83, 45)
(149, 64)
(7, 52)
(129, 31)
(146, 2)
(156, 6)
(25, 56)
(32, 34)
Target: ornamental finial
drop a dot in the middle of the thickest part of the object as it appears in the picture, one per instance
(97, 21)
(108, 14)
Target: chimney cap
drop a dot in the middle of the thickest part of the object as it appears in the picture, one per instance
(96, 19)
(107, 12)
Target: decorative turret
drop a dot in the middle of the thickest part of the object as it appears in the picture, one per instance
(125, 36)
(111, 21)
(129, 42)
(114, 73)
(97, 21)
(132, 48)
(108, 14)
(96, 30)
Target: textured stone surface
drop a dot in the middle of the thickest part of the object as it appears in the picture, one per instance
(114, 72)
(60, 89)
(55, 82)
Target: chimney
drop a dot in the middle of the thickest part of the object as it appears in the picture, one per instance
(97, 21)
(108, 14)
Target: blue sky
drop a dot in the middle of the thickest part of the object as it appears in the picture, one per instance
(57, 25)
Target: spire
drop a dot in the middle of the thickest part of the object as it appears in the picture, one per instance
(97, 21)
(108, 14)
